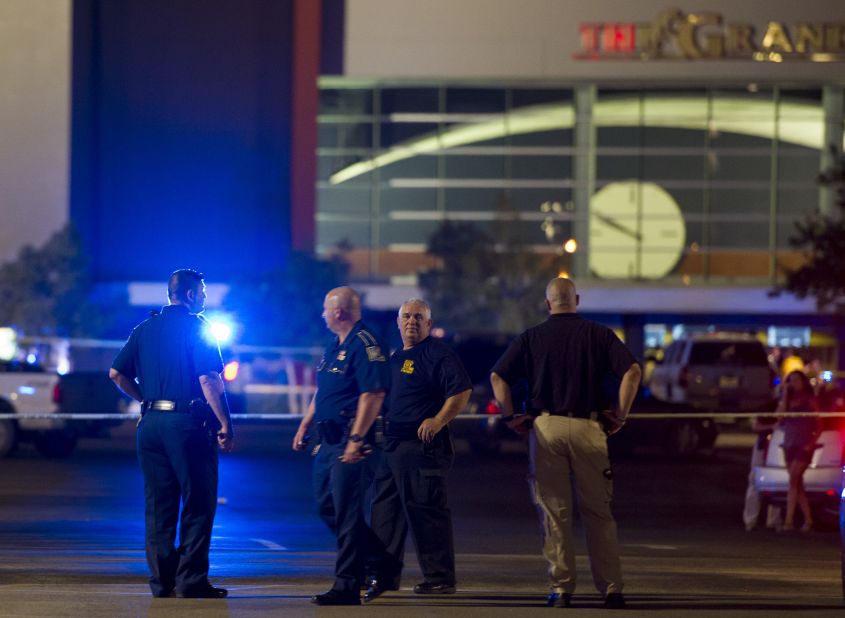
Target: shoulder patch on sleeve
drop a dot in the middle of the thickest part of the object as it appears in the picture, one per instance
(374, 354)
(366, 338)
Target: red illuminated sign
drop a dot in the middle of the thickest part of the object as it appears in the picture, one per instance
(675, 35)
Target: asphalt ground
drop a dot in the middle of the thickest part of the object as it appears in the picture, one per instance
(71, 540)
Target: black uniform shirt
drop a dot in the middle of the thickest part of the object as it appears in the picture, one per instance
(168, 353)
(421, 380)
(348, 369)
(566, 361)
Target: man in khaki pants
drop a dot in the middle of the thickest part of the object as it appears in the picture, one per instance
(566, 360)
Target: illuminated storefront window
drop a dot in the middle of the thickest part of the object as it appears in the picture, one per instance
(696, 185)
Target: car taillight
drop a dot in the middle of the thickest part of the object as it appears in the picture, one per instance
(492, 407)
(57, 393)
(230, 371)
(683, 377)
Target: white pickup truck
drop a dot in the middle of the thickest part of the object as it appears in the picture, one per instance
(28, 389)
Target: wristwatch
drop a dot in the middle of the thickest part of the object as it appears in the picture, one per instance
(356, 438)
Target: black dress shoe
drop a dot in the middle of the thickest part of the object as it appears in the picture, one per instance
(559, 599)
(336, 597)
(614, 600)
(429, 588)
(209, 592)
(378, 587)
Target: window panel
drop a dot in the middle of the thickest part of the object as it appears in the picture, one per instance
(409, 100)
(346, 101)
(345, 199)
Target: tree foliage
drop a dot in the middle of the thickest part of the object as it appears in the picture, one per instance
(47, 291)
(284, 307)
(484, 283)
(822, 238)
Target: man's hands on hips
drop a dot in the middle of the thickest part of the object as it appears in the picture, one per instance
(429, 428)
(520, 424)
(611, 422)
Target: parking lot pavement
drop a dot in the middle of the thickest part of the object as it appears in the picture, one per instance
(71, 542)
(659, 580)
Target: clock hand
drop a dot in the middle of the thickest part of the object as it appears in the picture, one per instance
(618, 226)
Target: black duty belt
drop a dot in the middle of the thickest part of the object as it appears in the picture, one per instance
(401, 430)
(587, 415)
(166, 405)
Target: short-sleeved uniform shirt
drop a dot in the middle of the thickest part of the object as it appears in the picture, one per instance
(421, 380)
(167, 353)
(347, 369)
(567, 361)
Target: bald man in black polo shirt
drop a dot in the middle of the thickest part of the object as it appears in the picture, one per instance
(566, 360)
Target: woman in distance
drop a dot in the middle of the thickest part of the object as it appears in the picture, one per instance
(799, 443)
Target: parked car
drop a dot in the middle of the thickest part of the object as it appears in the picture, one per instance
(28, 389)
(721, 371)
(679, 437)
(842, 533)
(823, 479)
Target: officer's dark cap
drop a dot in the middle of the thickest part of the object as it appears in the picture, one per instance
(183, 280)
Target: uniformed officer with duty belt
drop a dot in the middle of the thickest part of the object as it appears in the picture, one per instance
(172, 365)
(352, 379)
(566, 360)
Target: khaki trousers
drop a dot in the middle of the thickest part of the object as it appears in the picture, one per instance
(567, 451)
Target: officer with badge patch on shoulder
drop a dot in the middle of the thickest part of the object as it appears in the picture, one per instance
(429, 386)
(352, 380)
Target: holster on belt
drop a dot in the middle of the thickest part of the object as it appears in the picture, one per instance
(201, 409)
(331, 432)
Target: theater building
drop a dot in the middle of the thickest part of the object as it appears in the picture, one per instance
(660, 153)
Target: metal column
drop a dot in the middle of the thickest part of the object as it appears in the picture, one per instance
(834, 110)
(584, 172)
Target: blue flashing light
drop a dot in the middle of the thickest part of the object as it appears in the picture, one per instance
(827, 376)
(31, 358)
(221, 328)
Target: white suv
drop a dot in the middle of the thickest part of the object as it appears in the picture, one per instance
(715, 372)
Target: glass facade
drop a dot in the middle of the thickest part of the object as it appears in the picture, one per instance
(692, 185)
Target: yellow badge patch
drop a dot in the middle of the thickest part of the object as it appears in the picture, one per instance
(407, 367)
(374, 353)
(341, 355)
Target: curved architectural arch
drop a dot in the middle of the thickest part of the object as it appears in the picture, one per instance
(729, 114)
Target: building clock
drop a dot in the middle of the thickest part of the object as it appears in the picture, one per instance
(637, 231)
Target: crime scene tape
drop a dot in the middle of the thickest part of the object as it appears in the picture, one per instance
(282, 416)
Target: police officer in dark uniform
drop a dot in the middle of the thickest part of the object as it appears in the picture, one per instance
(566, 361)
(352, 379)
(428, 388)
(172, 365)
